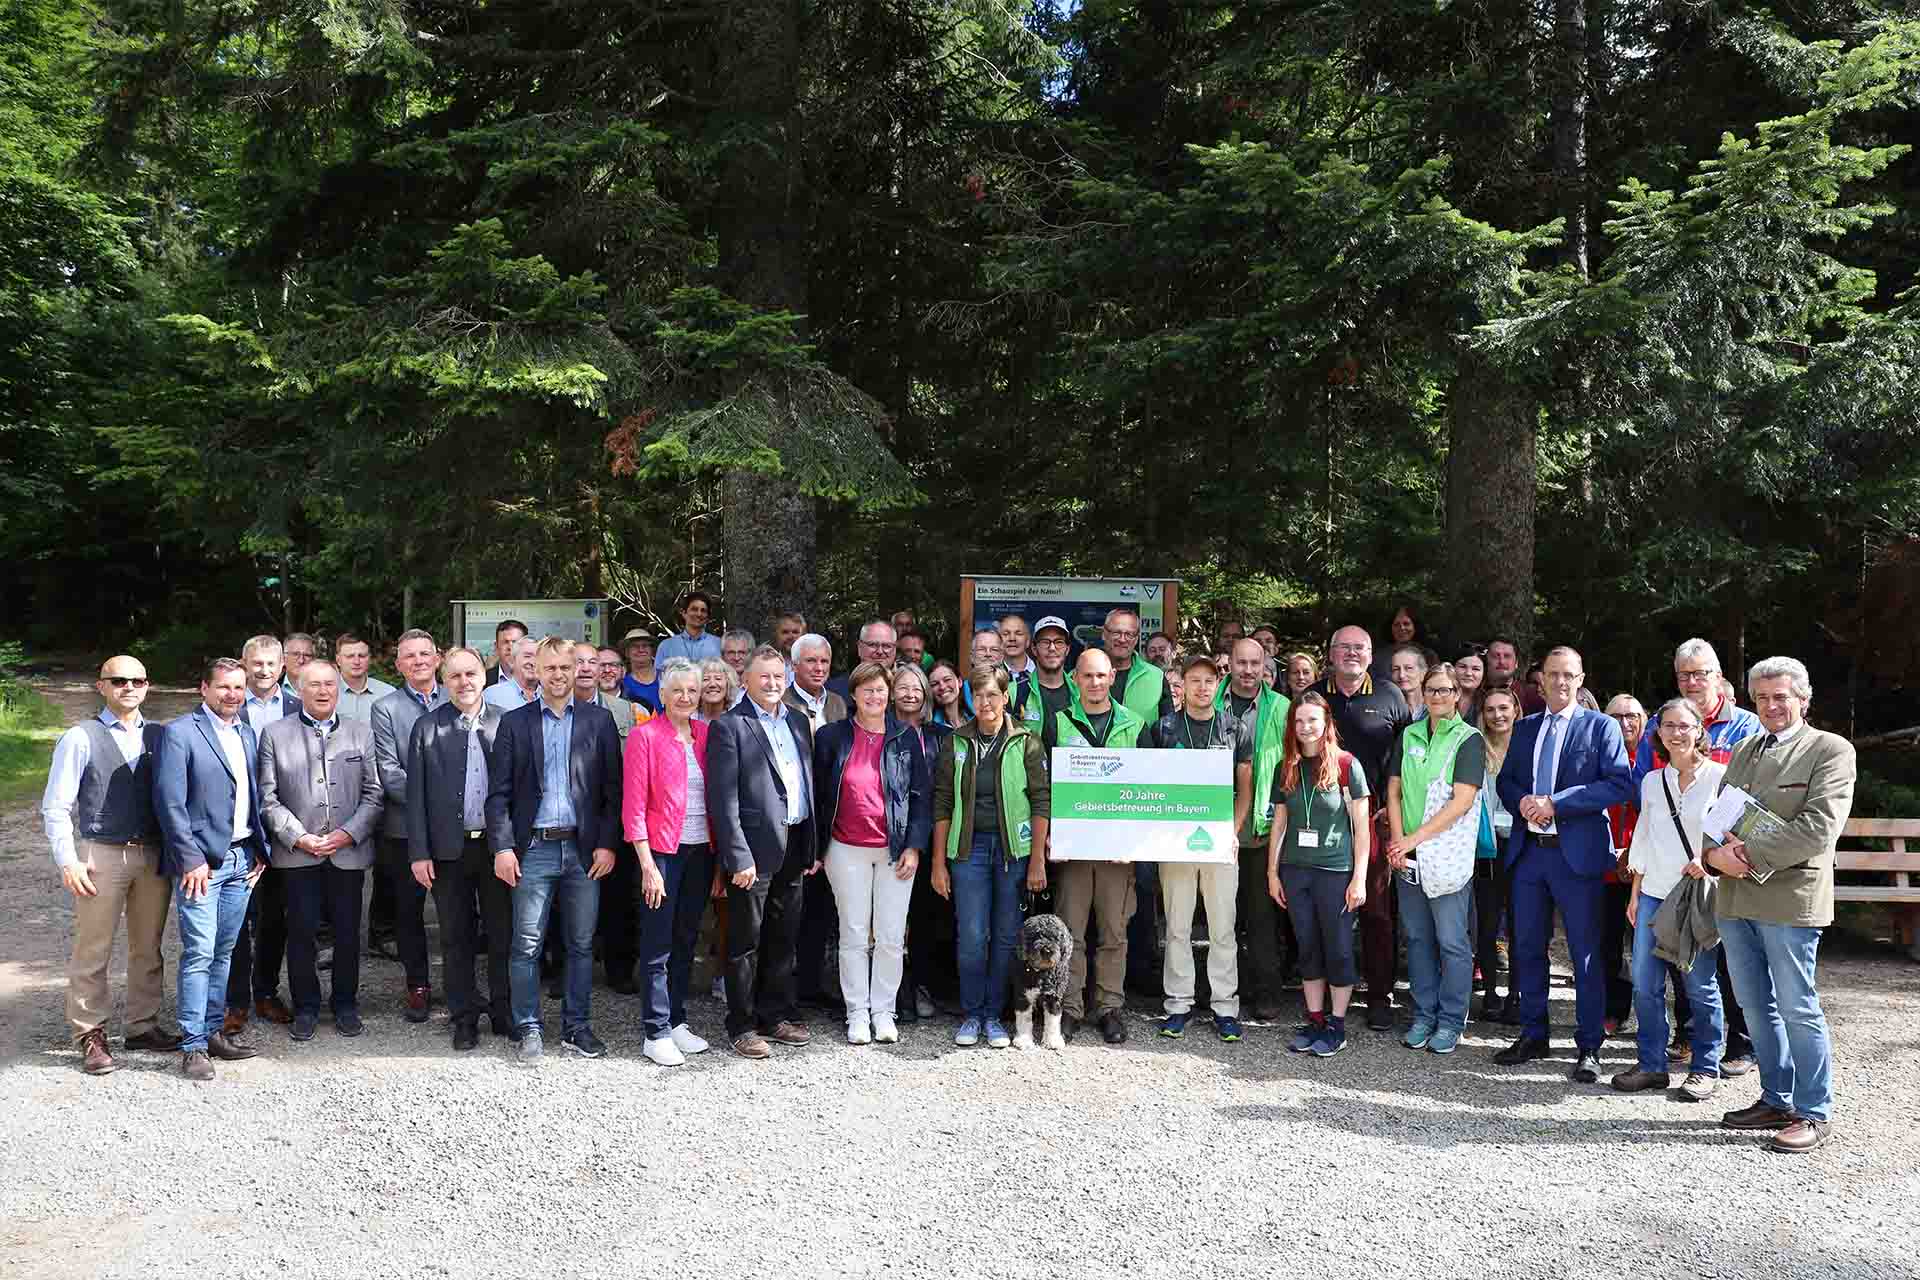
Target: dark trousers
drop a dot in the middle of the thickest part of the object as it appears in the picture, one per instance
(1615, 934)
(1379, 941)
(1542, 881)
(262, 946)
(325, 892)
(763, 933)
(668, 934)
(409, 907)
(1265, 929)
(454, 885)
(930, 939)
(619, 926)
(1489, 907)
(819, 922)
(1739, 1043)
(1143, 931)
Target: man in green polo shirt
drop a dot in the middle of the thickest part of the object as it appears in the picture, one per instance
(1138, 685)
(1104, 889)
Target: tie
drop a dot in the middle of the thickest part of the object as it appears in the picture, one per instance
(1768, 743)
(1543, 769)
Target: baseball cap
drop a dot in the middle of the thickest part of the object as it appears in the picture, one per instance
(1058, 624)
(1200, 660)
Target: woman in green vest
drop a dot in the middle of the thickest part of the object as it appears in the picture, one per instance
(1433, 789)
(994, 837)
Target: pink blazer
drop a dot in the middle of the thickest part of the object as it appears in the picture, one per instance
(656, 785)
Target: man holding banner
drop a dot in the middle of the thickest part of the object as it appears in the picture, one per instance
(1203, 726)
(1105, 888)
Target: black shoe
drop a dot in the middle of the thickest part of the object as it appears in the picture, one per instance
(1069, 1025)
(623, 984)
(1586, 1070)
(585, 1043)
(1510, 1012)
(1113, 1027)
(466, 1035)
(1380, 1015)
(303, 1026)
(501, 1024)
(347, 1022)
(1525, 1049)
(1492, 1008)
(223, 1047)
(156, 1041)
(907, 1012)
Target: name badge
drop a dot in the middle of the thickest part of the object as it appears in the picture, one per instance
(1309, 840)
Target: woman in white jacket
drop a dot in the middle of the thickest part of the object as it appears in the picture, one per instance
(1667, 846)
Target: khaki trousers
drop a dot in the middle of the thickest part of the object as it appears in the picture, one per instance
(128, 882)
(1107, 889)
(1218, 884)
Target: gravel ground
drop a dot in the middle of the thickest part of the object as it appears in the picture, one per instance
(390, 1156)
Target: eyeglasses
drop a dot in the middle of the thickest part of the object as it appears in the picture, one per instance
(1694, 677)
(1050, 642)
(1441, 690)
(121, 682)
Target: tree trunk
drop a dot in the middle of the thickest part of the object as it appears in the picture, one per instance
(1570, 91)
(1491, 477)
(769, 528)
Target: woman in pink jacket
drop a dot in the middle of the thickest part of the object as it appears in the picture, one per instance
(664, 812)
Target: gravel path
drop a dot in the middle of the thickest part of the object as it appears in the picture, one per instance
(389, 1156)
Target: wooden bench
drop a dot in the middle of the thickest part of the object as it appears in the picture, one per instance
(1904, 866)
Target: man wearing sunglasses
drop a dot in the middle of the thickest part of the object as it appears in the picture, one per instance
(98, 812)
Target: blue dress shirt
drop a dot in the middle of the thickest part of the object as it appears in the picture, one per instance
(556, 797)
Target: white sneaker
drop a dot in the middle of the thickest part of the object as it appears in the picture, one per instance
(884, 1030)
(687, 1042)
(923, 1002)
(663, 1051)
(859, 1030)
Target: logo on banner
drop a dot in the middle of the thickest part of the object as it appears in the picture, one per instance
(1090, 766)
(1153, 589)
(1200, 841)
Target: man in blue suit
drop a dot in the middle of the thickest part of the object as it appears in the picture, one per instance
(1565, 766)
(553, 822)
(206, 793)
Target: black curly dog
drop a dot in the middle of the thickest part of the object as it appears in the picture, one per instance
(1046, 948)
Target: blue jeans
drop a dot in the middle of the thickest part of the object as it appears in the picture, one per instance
(209, 926)
(669, 933)
(1439, 952)
(1772, 967)
(547, 868)
(1650, 999)
(986, 907)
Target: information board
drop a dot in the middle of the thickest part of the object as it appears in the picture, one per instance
(1083, 603)
(474, 620)
(1139, 804)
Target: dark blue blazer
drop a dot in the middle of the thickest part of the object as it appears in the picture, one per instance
(518, 769)
(746, 801)
(194, 793)
(904, 772)
(1592, 775)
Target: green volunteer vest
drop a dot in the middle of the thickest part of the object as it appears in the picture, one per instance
(1143, 693)
(1269, 747)
(1424, 756)
(1126, 731)
(1016, 811)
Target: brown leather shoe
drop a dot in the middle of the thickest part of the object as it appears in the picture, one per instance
(194, 1065)
(752, 1045)
(1758, 1116)
(272, 1009)
(94, 1058)
(227, 1049)
(418, 998)
(792, 1033)
(236, 1022)
(156, 1041)
(1639, 1081)
(1679, 1054)
(1802, 1135)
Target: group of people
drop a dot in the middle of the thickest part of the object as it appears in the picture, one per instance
(570, 791)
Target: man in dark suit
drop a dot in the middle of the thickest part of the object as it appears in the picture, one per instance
(1566, 765)
(206, 792)
(447, 783)
(759, 806)
(553, 821)
(508, 633)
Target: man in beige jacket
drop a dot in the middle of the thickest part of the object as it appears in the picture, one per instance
(1775, 897)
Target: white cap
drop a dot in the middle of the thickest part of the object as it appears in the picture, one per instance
(1058, 624)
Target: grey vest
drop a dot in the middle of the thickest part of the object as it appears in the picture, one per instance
(115, 804)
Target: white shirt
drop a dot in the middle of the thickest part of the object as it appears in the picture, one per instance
(1656, 852)
(508, 695)
(1553, 766)
(71, 755)
(228, 736)
(1783, 738)
(694, 830)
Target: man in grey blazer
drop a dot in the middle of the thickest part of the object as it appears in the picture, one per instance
(395, 888)
(1775, 897)
(320, 795)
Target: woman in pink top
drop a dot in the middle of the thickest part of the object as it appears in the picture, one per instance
(872, 812)
(664, 813)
